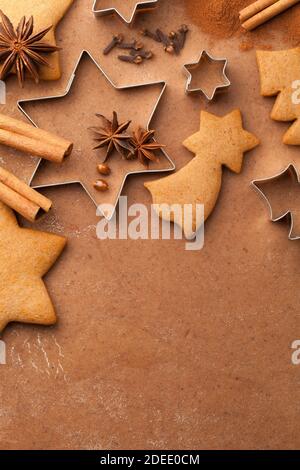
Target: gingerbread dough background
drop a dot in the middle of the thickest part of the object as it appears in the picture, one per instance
(198, 353)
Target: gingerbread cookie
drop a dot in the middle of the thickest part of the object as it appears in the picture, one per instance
(45, 14)
(279, 71)
(26, 256)
(220, 141)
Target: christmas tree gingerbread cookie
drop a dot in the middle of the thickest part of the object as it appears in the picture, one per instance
(26, 255)
(45, 14)
(220, 141)
(280, 75)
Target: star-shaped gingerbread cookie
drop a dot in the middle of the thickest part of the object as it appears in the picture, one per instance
(45, 13)
(220, 141)
(279, 72)
(26, 256)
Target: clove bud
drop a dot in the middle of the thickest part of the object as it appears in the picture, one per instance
(134, 45)
(172, 35)
(116, 40)
(136, 59)
(183, 30)
(169, 47)
(144, 54)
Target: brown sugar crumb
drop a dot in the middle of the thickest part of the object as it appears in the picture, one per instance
(246, 46)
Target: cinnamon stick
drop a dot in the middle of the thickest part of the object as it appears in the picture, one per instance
(268, 13)
(27, 138)
(255, 8)
(22, 198)
(20, 204)
(31, 146)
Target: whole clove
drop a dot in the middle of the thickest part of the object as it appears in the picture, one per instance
(172, 35)
(175, 42)
(144, 54)
(178, 38)
(162, 36)
(134, 45)
(136, 59)
(116, 40)
(182, 33)
(169, 46)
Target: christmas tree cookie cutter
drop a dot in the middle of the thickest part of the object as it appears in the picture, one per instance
(21, 103)
(138, 7)
(293, 173)
(208, 58)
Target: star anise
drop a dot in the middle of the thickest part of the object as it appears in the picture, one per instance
(112, 135)
(20, 50)
(144, 146)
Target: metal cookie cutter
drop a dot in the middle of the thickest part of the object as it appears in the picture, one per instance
(292, 172)
(171, 167)
(206, 58)
(139, 6)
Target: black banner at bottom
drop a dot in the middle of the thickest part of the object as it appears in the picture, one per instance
(135, 459)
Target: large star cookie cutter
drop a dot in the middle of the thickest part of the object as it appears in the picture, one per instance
(109, 214)
(138, 7)
(292, 172)
(208, 59)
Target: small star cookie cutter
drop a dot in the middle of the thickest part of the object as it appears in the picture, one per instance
(171, 168)
(188, 68)
(138, 7)
(293, 172)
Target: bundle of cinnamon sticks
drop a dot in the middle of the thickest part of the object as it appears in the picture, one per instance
(24, 137)
(22, 198)
(263, 10)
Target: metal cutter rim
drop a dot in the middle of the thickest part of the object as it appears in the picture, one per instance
(21, 103)
(139, 6)
(189, 75)
(289, 169)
